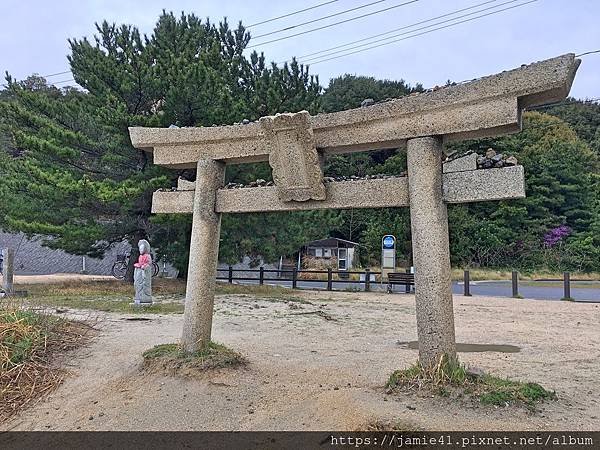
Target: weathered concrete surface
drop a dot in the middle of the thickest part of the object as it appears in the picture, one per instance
(204, 252)
(293, 157)
(185, 185)
(391, 192)
(431, 251)
(458, 187)
(488, 106)
(485, 184)
(466, 162)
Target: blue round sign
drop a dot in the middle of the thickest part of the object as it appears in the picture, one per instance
(388, 241)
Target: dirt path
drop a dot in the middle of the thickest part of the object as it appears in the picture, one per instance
(58, 278)
(309, 373)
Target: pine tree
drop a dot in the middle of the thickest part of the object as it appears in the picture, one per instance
(69, 170)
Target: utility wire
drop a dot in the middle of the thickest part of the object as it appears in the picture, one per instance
(290, 14)
(380, 34)
(392, 31)
(422, 33)
(318, 19)
(587, 53)
(57, 73)
(322, 54)
(333, 24)
(51, 84)
(64, 81)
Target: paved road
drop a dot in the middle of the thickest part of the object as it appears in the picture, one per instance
(580, 291)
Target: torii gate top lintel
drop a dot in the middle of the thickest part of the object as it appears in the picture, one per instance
(488, 106)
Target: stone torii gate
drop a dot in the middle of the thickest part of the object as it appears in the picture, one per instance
(295, 144)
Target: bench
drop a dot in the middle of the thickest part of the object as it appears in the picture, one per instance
(406, 279)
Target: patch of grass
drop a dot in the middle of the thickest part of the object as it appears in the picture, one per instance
(31, 343)
(160, 286)
(171, 358)
(107, 295)
(262, 291)
(21, 332)
(158, 351)
(446, 372)
(568, 299)
(116, 296)
(452, 379)
(502, 392)
(111, 304)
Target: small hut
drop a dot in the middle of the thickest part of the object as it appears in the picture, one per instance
(339, 254)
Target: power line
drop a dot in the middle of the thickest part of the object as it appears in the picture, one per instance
(373, 36)
(391, 31)
(422, 33)
(411, 31)
(587, 53)
(318, 19)
(330, 52)
(64, 81)
(291, 14)
(333, 24)
(51, 84)
(57, 73)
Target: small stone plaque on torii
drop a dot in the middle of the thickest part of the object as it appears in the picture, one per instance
(295, 143)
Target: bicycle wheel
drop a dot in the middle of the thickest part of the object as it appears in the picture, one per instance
(119, 269)
(155, 269)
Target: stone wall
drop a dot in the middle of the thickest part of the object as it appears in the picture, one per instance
(32, 258)
(243, 267)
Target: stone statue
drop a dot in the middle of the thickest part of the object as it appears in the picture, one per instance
(142, 278)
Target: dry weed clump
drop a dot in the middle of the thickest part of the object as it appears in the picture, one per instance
(313, 263)
(170, 359)
(31, 346)
(449, 378)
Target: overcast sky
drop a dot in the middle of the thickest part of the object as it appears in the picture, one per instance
(34, 33)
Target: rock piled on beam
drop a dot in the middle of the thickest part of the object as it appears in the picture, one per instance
(263, 183)
(493, 160)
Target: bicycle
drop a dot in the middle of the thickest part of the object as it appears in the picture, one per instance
(119, 268)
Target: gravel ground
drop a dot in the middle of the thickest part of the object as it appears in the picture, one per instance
(309, 373)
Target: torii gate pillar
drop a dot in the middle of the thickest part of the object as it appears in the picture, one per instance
(431, 251)
(204, 252)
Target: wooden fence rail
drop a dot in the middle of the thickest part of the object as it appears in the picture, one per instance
(295, 275)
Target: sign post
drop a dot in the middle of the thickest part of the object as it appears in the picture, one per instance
(388, 255)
